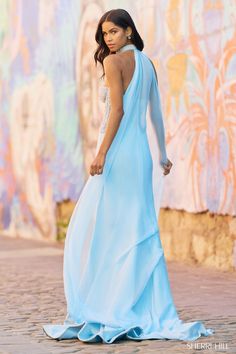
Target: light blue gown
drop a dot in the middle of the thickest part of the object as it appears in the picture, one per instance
(115, 276)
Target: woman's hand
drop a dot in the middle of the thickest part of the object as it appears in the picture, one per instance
(96, 167)
(167, 167)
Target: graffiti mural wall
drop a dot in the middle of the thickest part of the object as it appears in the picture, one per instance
(50, 111)
(41, 151)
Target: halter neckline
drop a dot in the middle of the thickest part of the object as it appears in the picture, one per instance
(126, 47)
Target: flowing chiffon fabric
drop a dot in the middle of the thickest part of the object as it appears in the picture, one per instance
(115, 276)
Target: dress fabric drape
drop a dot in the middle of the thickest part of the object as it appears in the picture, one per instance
(115, 276)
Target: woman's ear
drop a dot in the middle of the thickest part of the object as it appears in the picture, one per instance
(128, 31)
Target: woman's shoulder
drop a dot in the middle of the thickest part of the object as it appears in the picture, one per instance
(111, 59)
(112, 65)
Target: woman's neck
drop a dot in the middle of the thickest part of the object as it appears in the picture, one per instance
(129, 46)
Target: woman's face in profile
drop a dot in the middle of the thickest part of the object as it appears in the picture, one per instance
(114, 36)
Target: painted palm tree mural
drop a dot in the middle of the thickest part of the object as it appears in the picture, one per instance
(202, 127)
(50, 109)
(214, 109)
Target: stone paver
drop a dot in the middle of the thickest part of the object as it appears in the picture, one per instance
(31, 294)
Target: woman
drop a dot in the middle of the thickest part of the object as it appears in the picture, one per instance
(115, 277)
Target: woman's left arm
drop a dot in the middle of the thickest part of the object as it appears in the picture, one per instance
(113, 75)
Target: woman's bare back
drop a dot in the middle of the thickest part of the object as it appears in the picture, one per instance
(126, 62)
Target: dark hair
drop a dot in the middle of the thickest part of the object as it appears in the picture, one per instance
(122, 19)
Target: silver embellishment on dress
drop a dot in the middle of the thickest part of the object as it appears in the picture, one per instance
(103, 92)
(105, 96)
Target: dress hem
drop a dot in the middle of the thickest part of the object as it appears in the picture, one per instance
(96, 332)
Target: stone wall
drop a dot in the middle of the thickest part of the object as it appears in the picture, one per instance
(201, 238)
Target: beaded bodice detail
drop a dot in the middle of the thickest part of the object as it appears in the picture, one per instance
(104, 96)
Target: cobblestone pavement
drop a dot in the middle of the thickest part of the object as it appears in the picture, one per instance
(31, 294)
